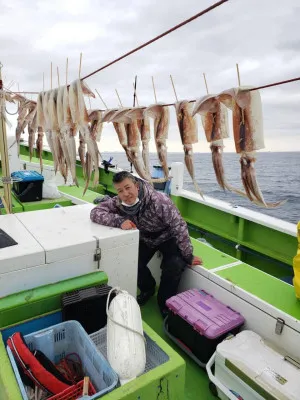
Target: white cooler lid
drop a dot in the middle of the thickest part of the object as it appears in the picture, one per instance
(264, 369)
(68, 232)
(27, 253)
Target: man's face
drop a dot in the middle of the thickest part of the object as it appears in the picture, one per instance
(127, 191)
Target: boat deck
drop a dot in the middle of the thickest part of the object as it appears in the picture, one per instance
(196, 379)
(265, 287)
(215, 264)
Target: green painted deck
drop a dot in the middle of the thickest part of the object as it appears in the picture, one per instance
(267, 288)
(36, 160)
(78, 193)
(196, 379)
(212, 258)
(16, 206)
(45, 204)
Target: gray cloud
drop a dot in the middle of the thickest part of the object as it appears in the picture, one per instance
(263, 38)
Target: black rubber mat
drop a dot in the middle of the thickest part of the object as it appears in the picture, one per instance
(6, 240)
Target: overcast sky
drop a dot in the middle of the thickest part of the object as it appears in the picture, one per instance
(262, 37)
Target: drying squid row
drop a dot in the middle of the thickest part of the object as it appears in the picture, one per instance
(61, 114)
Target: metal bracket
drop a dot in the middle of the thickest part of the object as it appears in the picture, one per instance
(97, 254)
(279, 326)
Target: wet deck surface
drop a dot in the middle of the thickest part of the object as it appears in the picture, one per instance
(196, 380)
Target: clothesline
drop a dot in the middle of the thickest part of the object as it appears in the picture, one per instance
(171, 104)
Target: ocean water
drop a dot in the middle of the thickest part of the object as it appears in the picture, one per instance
(278, 175)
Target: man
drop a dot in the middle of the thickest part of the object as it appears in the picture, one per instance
(161, 227)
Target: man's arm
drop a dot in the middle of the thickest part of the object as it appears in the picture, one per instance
(172, 218)
(106, 213)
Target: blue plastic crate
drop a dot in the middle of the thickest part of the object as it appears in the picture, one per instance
(27, 176)
(32, 325)
(59, 340)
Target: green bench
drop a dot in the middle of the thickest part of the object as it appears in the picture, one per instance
(266, 287)
(77, 192)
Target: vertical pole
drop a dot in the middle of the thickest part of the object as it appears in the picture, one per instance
(6, 178)
(205, 83)
(134, 91)
(154, 90)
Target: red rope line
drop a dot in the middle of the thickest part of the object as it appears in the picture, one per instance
(158, 37)
(275, 84)
(192, 101)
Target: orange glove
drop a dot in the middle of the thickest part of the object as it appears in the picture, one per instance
(126, 225)
(197, 261)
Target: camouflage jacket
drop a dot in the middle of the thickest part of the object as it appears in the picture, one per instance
(158, 220)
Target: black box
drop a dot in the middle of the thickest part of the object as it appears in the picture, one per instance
(202, 347)
(87, 306)
(28, 185)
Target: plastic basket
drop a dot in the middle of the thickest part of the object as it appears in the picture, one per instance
(73, 393)
(155, 356)
(69, 337)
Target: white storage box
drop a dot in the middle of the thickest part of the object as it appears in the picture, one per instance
(62, 243)
(247, 366)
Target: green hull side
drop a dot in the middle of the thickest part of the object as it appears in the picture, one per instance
(9, 389)
(26, 305)
(260, 246)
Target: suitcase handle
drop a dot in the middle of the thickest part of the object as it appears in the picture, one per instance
(25, 191)
(292, 361)
(216, 381)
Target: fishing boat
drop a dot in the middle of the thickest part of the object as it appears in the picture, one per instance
(247, 263)
(52, 248)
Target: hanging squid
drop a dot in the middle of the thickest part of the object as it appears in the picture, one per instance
(248, 137)
(215, 124)
(161, 116)
(187, 125)
(137, 113)
(133, 141)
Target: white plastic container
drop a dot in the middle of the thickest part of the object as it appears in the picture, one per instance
(126, 350)
(248, 366)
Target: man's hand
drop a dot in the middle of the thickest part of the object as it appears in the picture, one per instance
(196, 261)
(126, 225)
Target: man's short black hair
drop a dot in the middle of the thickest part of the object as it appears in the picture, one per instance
(120, 176)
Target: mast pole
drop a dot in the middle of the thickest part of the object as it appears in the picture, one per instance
(6, 178)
